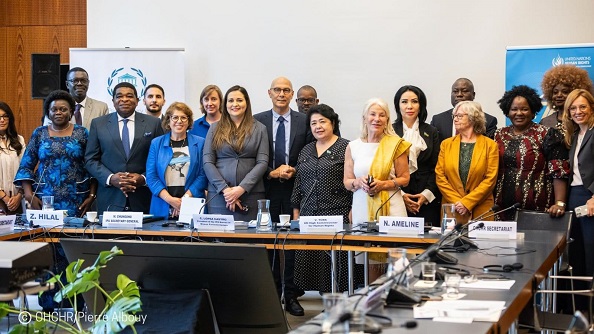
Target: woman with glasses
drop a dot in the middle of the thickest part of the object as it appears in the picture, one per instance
(58, 151)
(533, 162)
(174, 164)
(466, 169)
(578, 119)
(12, 147)
(236, 158)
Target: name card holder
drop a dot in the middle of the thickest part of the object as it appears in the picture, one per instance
(206, 222)
(45, 218)
(320, 224)
(122, 219)
(189, 207)
(401, 225)
(7, 223)
(494, 230)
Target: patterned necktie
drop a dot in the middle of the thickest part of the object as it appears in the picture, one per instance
(279, 144)
(77, 115)
(126, 138)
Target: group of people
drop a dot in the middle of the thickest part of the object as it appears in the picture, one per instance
(407, 167)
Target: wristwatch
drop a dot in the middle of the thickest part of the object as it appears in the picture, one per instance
(560, 203)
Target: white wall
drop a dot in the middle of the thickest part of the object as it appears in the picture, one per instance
(350, 50)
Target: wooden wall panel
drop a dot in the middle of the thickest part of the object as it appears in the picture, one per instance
(43, 12)
(35, 26)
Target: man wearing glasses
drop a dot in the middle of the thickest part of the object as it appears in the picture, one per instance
(307, 97)
(288, 132)
(462, 90)
(86, 108)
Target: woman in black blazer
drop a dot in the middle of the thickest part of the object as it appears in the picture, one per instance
(578, 120)
(422, 197)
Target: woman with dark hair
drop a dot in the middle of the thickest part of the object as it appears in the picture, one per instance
(556, 84)
(236, 158)
(533, 162)
(174, 164)
(319, 191)
(211, 106)
(12, 147)
(421, 196)
(58, 151)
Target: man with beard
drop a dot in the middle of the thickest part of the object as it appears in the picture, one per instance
(154, 100)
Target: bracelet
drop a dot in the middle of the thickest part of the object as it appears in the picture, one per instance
(396, 186)
(93, 196)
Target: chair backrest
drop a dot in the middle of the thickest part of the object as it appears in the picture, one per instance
(536, 220)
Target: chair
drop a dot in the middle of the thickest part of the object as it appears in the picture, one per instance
(568, 323)
(534, 220)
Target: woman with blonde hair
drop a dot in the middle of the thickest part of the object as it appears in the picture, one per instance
(376, 166)
(578, 119)
(467, 165)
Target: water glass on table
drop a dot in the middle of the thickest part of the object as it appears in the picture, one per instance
(428, 270)
(452, 283)
(334, 306)
(47, 203)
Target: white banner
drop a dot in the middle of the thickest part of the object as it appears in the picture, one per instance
(140, 67)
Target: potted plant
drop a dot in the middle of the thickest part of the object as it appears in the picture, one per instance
(119, 312)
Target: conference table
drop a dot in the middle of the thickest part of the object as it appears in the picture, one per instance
(350, 241)
(538, 252)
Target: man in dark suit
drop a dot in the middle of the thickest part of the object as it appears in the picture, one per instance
(117, 151)
(462, 90)
(86, 109)
(288, 132)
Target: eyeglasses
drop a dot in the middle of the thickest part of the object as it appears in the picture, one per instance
(582, 108)
(458, 116)
(4, 118)
(182, 119)
(310, 101)
(278, 90)
(79, 81)
(61, 109)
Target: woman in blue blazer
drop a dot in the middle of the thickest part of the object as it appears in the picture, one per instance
(174, 164)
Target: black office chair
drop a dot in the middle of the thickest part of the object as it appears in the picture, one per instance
(568, 323)
(535, 220)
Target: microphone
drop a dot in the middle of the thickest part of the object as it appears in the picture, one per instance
(206, 203)
(492, 209)
(29, 204)
(408, 325)
(372, 225)
(515, 206)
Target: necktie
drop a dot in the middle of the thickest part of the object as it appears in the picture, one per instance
(77, 115)
(126, 138)
(279, 144)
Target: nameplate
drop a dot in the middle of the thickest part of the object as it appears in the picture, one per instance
(320, 224)
(45, 218)
(204, 222)
(7, 223)
(494, 230)
(401, 225)
(122, 219)
(189, 207)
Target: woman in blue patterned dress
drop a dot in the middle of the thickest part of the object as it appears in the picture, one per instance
(58, 151)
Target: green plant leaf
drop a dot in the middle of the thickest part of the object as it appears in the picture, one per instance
(119, 316)
(106, 256)
(4, 307)
(128, 287)
(73, 269)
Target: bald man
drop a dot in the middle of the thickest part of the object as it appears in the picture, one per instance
(288, 132)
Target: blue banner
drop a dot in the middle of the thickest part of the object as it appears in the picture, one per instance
(527, 65)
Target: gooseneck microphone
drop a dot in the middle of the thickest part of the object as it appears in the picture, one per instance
(515, 206)
(206, 203)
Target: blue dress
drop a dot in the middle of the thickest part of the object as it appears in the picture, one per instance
(61, 172)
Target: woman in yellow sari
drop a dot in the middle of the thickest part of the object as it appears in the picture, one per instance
(379, 154)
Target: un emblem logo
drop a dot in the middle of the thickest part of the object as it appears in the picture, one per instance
(131, 75)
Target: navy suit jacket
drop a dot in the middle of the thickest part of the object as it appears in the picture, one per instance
(105, 156)
(300, 135)
(443, 123)
(584, 159)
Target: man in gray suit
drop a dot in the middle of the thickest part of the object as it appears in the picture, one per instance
(117, 151)
(290, 127)
(86, 109)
